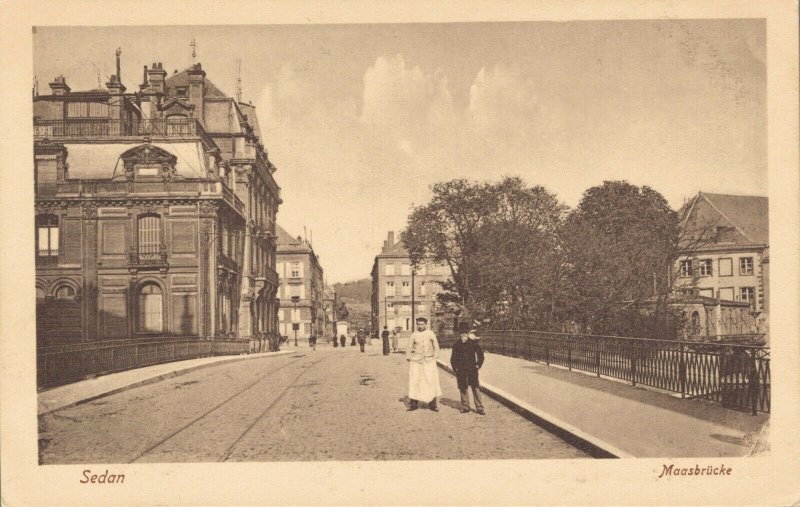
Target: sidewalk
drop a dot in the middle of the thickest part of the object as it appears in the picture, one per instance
(613, 419)
(105, 385)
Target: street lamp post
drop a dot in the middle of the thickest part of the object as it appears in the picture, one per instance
(413, 305)
(295, 325)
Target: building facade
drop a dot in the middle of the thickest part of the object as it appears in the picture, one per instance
(395, 288)
(301, 291)
(725, 242)
(141, 230)
(233, 126)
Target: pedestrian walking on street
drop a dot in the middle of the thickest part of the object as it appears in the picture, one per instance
(395, 339)
(466, 359)
(343, 341)
(362, 340)
(423, 375)
(353, 341)
(312, 342)
(385, 339)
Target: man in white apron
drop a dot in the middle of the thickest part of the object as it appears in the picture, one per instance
(423, 374)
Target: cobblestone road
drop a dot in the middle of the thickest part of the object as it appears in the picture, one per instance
(329, 404)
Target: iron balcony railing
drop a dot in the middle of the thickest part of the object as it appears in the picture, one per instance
(104, 127)
(66, 364)
(141, 259)
(737, 376)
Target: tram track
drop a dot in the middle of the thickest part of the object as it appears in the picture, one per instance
(229, 450)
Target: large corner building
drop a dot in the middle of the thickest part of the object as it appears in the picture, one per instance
(155, 212)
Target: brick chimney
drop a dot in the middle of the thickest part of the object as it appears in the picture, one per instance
(390, 241)
(156, 75)
(59, 86)
(196, 84)
(145, 83)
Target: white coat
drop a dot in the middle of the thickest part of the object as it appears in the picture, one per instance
(423, 374)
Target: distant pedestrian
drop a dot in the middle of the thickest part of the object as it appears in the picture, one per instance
(395, 340)
(466, 359)
(353, 340)
(312, 342)
(362, 340)
(423, 375)
(385, 338)
(343, 341)
(335, 341)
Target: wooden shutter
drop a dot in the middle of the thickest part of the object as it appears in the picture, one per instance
(149, 234)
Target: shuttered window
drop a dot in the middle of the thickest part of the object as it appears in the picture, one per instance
(149, 234)
(87, 110)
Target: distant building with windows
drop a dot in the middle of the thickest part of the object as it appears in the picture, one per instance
(725, 249)
(392, 289)
(155, 212)
(301, 291)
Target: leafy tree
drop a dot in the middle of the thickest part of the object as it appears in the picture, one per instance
(499, 241)
(620, 244)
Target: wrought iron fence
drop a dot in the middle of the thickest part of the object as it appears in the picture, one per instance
(65, 364)
(737, 376)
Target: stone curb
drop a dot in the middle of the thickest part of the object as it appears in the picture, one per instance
(565, 431)
(164, 376)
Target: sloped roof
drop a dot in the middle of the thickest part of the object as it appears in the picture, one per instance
(182, 79)
(396, 250)
(284, 238)
(748, 215)
(288, 243)
(252, 118)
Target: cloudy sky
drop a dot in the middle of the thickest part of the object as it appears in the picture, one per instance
(361, 119)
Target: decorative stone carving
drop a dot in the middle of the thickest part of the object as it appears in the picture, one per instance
(244, 174)
(149, 155)
(208, 209)
(89, 212)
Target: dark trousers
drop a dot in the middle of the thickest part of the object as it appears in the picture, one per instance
(361, 344)
(476, 394)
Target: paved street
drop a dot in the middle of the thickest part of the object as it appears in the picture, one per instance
(329, 404)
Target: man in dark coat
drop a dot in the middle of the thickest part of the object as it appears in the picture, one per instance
(466, 359)
(362, 339)
(385, 338)
(342, 341)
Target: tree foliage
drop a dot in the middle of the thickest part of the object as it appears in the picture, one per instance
(496, 238)
(518, 257)
(621, 243)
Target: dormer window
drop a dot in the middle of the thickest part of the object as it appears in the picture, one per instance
(182, 91)
(149, 162)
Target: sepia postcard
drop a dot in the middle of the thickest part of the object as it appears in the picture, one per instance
(357, 253)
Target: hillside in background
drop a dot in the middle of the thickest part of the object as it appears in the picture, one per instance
(356, 295)
(357, 292)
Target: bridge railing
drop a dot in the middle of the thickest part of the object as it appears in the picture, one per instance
(63, 365)
(735, 375)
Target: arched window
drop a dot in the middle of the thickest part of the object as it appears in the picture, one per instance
(149, 236)
(65, 292)
(150, 310)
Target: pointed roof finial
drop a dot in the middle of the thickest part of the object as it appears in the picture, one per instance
(193, 45)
